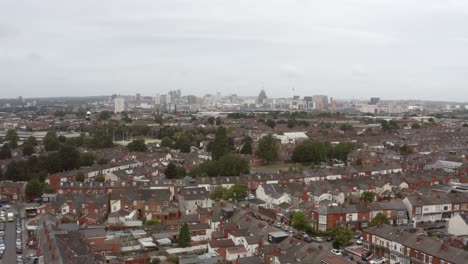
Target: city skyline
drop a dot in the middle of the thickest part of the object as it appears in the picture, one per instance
(348, 49)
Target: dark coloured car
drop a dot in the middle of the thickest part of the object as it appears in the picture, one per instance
(348, 255)
(366, 255)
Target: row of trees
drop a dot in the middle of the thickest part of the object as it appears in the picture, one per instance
(317, 151)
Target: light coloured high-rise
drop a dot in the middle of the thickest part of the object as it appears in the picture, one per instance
(119, 105)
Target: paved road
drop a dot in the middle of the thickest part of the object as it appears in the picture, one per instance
(9, 256)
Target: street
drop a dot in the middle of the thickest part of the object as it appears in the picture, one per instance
(9, 256)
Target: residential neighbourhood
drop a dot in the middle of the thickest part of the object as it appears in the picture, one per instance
(324, 196)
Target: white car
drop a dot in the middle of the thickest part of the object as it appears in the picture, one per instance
(377, 261)
(336, 251)
(359, 242)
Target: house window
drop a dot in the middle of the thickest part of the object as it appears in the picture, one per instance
(456, 207)
(445, 208)
(426, 209)
(165, 203)
(463, 207)
(389, 214)
(172, 227)
(430, 259)
(418, 210)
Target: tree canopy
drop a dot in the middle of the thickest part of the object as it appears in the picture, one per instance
(228, 165)
(220, 145)
(299, 221)
(267, 148)
(237, 192)
(247, 146)
(137, 145)
(341, 237)
(379, 219)
(51, 141)
(311, 151)
(368, 196)
(184, 236)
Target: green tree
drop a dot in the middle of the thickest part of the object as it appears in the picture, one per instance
(267, 148)
(311, 151)
(228, 165)
(406, 150)
(87, 158)
(100, 178)
(32, 140)
(102, 161)
(28, 149)
(51, 141)
(368, 196)
(270, 122)
(247, 146)
(415, 126)
(346, 127)
(166, 142)
(184, 236)
(299, 220)
(137, 145)
(211, 120)
(181, 172)
(341, 237)
(70, 157)
(341, 150)
(171, 171)
(34, 188)
(80, 177)
(47, 188)
(152, 222)
(217, 193)
(220, 145)
(5, 152)
(379, 219)
(13, 138)
(239, 191)
(104, 115)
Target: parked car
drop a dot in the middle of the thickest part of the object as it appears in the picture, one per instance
(359, 242)
(317, 239)
(278, 225)
(348, 255)
(336, 251)
(377, 261)
(357, 235)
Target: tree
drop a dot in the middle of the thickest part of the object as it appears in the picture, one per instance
(87, 158)
(239, 191)
(100, 178)
(379, 219)
(267, 148)
(228, 165)
(220, 145)
(70, 157)
(311, 151)
(299, 220)
(415, 126)
(47, 188)
(218, 121)
(346, 127)
(341, 150)
(102, 161)
(406, 150)
(11, 135)
(5, 152)
(217, 193)
(247, 146)
(465, 125)
(166, 142)
(171, 171)
(270, 122)
(80, 177)
(211, 120)
(32, 140)
(341, 237)
(184, 236)
(28, 148)
(137, 145)
(34, 188)
(104, 115)
(368, 196)
(152, 222)
(51, 141)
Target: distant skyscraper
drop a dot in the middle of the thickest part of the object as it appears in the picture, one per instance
(119, 105)
(320, 102)
(374, 100)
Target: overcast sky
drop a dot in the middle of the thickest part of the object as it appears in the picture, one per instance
(393, 49)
